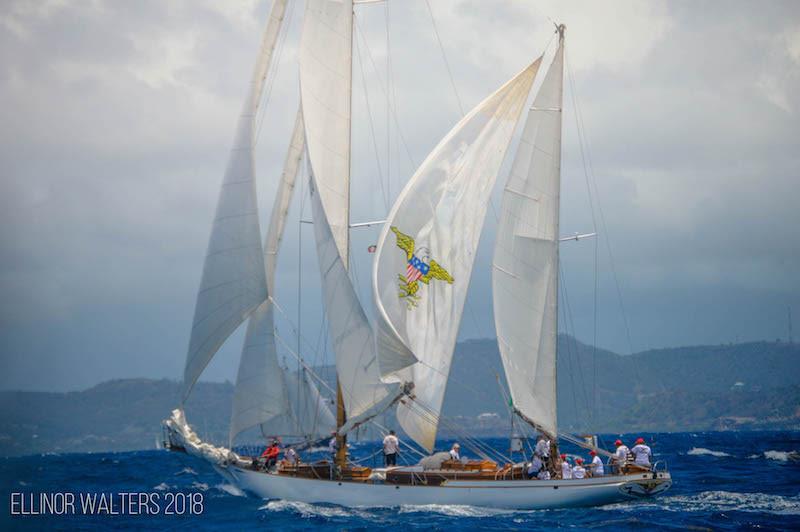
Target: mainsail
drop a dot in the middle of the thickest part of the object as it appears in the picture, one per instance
(233, 282)
(426, 251)
(525, 265)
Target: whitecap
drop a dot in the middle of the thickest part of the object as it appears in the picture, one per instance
(734, 501)
(200, 486)
(782, 456)
(230, 489)
(454, 510)
(186, 471)
(700, 451)
(162, 487)
(307, 510)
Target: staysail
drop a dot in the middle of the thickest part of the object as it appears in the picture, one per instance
(525, 265)
(233, 283)
(260, 396)
(426, 250)
(325, 90)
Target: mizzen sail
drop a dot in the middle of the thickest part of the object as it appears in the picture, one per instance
(525, 264)
(233, 283)
(426, 251)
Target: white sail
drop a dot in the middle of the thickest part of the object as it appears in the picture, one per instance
(233, 282)
(260, 396)
(427, 248)
(349, 328)
(311, 410)
(525, 265)
(325, 89)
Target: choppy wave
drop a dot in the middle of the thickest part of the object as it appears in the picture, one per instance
(187, 471)
(230, 489)
(455, 510)
(308, 510)
(701, 451)
(733, 501)
(782, 456)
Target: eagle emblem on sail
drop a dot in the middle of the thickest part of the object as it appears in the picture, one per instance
(420, 268)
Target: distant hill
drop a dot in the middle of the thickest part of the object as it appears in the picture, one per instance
(744, 386)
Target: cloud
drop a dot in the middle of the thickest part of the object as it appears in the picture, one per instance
(117, 119)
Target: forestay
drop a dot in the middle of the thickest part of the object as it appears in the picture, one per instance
(426, 251)
(525, 265)
(233, 282)
(325, 88)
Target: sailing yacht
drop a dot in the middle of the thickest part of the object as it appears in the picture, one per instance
(421, 271)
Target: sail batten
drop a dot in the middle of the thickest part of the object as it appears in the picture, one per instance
(425, 253)
(233, 282)
(525, 262)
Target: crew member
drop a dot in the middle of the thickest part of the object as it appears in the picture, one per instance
(620, 456)
(535, 467)
(578, 471)
(641, 453)
(455, 452)
(391, 446)
(291, 457)
(542, 449)
(597, 465)
(566, 469)
(333, 446)
(271, 453)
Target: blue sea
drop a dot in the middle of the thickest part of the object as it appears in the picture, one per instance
(722, 481)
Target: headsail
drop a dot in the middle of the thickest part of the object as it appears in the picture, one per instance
(351, 333)
(233, 282)
(325, 90)
(525, 265)
(260, 396)
(426, 251)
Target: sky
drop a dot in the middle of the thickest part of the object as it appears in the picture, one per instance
(117, 119)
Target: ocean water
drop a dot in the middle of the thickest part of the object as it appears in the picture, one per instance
(726, 481)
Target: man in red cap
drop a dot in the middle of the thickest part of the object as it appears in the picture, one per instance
(641, 453)
(596, 465)
(578, 471)
(620, 457)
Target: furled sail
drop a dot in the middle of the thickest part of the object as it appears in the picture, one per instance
(525, 265)
(260, 396)
(233, 282)
(325, 89)
(427, 248)
(350, 331)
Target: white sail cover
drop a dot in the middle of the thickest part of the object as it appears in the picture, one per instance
(349, 328)
(260, 396)
(233, 282)
(525, 265)
(427, 248)
(325, 88)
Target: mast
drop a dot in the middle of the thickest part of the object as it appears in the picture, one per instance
(341, 413)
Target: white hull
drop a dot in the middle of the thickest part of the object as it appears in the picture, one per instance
(512, 494)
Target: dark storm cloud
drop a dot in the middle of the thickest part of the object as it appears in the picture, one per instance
(117, 119)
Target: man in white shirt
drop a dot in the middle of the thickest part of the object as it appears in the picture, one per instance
(578, 471)
(535, 467)
(641, 453)
(597, 465)
(566, 469)
(620, 456)
(391, 446)
(291, 456)
(542, 449)
(455, 452)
